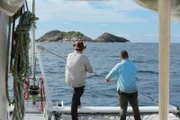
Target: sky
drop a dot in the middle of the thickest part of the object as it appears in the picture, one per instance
(122, 18)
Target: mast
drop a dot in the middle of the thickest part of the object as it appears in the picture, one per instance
(164, 53)
(3, 46)
(33, 44)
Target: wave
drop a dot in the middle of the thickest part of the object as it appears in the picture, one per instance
(142, 61)
(138, 61)
(102, 75)
(148, 71)
(92, 76)
(102, 94)
(51, 72)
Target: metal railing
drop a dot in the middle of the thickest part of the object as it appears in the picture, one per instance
(48, 101)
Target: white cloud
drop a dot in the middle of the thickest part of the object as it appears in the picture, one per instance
(83, 11)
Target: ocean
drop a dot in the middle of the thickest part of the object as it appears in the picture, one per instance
(103, 56)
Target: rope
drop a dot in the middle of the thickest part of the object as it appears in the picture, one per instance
(99, 75)
(43, 49)
(26, 5)
(21, 61)
(149, 98)
(11, 29)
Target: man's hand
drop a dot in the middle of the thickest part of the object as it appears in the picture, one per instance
(107, 80)
(90, 71)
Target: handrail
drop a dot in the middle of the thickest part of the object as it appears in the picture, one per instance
(48, 100)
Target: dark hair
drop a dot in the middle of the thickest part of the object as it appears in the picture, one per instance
(124, 54)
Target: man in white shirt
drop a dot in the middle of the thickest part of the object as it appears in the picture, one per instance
(77, 65)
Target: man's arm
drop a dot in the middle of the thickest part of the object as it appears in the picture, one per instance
(90, 71)
(67, 73)
(88, 65)
(112, 73)
(66, 69)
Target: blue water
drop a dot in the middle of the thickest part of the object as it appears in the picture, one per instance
(103, 56)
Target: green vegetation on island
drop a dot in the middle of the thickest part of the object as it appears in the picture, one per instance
(61, 36)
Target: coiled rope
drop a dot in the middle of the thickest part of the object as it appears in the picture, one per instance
(21, 67)
(10, 36)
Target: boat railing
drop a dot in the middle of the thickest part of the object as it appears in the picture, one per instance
(48, 101)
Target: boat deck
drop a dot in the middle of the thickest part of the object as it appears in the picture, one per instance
(32, 112)
(85, 113)
(117, 117)
(33, 116)
(112, 113)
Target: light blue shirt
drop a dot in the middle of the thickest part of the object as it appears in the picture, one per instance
(126, 73)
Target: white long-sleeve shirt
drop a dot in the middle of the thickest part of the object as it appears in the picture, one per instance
(77, 65)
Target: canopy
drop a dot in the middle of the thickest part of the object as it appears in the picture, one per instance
(12, 8)
(153, 5)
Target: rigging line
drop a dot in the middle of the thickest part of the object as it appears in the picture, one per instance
(43, 49)
(149, 98)
(56, 54)
(99, 75)
(26, 5)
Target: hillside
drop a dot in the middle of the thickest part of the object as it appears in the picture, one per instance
(60, 36)
(108, 37)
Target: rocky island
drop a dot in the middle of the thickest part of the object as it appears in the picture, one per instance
(72, 36)
(108, 37)
(60, 36)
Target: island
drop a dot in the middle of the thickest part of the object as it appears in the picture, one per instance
(72, 36)
(61, 36)
(108, 37)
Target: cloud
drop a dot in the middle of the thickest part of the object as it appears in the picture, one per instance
(84, 11)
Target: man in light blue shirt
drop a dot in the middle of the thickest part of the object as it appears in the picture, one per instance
(126, 85)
